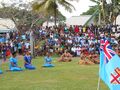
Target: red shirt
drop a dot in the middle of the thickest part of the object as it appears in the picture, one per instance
(76, 29)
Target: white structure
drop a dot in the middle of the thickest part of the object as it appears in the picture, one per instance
(49, 24)
(7, 25)
(79, 20)
(118, 20)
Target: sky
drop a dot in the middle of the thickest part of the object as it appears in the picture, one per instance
(81, 6)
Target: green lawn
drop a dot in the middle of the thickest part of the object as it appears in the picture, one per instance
(64, 76)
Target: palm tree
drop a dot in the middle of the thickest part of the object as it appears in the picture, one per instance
(115, 10)
(95, 11)
(107, 12)
(50, 7)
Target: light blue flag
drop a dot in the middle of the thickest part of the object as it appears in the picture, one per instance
(113, 72)
(109, 66)
(102, 72)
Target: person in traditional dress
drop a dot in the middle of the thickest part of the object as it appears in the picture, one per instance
(65, 57)
(14, 63)
(27, 61)
(48, 61)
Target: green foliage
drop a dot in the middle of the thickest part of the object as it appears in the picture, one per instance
(21, 17)
(48, 6)
(90, 11)
(51, 7)
(107, 11)
(64, 76)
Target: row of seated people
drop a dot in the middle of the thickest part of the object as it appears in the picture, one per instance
(85, 55)
(27, 62)
(92, 57)
(65, 57)
(14, 62)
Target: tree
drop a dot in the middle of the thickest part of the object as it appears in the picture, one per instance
(95, 11)
(107, 11)
(21, 17)
(114, 10)
(50, 7)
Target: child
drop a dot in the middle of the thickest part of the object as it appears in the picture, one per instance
(27, 59)
(13, 63)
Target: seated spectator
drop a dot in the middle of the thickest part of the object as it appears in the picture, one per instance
(48, 61)
(65, 57)
(27, 63)
(73, 50)
(13, 63)
(78, 50)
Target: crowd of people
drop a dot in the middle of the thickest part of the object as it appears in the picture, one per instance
(66, 41)
(77, 40)
(14, 42)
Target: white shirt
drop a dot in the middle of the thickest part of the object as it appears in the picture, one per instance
(73, 49)
(27, 45)
(69, 41)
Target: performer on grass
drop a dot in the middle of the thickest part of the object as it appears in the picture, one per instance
(48, 61)
(27, 61)
(14, 63)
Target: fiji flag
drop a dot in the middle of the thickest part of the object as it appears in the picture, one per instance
(109, 66)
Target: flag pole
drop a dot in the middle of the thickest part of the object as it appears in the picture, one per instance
(98, 87)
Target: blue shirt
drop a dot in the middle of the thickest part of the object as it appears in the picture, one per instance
(27, 59)
(23, 37)
(48, 59)
(14, 61)
(19, 45)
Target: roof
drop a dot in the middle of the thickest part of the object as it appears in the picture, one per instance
(78, 20)
(7, 25)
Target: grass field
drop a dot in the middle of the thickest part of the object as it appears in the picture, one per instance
(64, 76)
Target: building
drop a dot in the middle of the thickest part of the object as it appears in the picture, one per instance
(7, 25)
(79, 20)
(118, 20)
